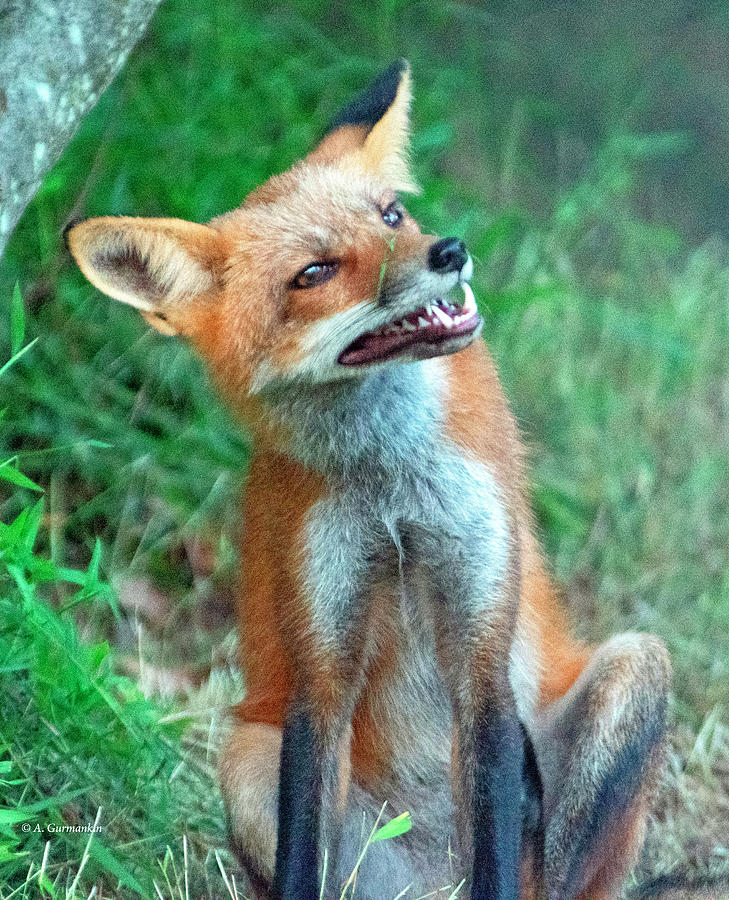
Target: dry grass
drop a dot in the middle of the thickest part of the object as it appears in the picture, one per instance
(689, 832)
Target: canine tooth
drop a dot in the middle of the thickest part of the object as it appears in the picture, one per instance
(408, 326)
(422, 323)
(444, 318)
(467, 270)
(470, 303)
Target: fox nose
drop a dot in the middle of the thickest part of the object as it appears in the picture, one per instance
(447, 255)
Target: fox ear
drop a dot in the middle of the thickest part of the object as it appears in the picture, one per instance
(156, 265)
(373, 131)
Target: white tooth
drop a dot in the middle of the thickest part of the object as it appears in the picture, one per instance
(467, 270)
(444, 317)
(408, 326)
(470, 303)
(429, 308)
(390, 329)
(422, 323)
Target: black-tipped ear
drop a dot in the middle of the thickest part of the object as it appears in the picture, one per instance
(369, 106)
(72, 223)
(372, 133)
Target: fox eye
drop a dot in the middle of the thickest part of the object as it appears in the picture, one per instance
(393, 215)
(315, 274)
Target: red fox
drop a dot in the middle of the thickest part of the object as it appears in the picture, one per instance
(400, 638)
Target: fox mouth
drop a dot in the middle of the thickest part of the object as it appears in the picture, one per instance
(437, 328)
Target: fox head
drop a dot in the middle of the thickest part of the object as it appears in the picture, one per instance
(320, 275)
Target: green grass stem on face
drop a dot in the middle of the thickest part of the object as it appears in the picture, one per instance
(383, 267)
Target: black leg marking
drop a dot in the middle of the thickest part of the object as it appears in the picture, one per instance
(499, 752)
(532, 809)
(300, 793)
(619, 786)
(690, 885)
(532, 792)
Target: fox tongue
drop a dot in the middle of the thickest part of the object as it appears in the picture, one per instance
(374, 345)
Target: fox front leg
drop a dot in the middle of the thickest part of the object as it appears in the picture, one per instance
(310, 770)
(488, 767)
(314, 767)
(326, 634)
(469, 563)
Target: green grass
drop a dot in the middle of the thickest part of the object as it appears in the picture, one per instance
(610, 329)
(79, 744)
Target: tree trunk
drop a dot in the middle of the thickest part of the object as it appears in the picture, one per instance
(56, 59)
